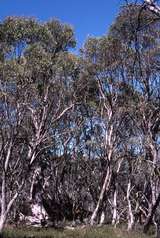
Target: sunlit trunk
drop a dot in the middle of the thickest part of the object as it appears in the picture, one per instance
(2, 222)
(114, 217)
(102, 218)
(105, 188)
(130, 212)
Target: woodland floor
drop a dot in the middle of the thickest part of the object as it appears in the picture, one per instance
(101, 232)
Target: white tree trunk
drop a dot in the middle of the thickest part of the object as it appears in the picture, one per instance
(2, 222)
(102, 218)
(130, 212)
(104, 189)
(5, 208)
(114, 217)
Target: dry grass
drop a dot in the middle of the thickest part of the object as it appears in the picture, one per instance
(101, 232)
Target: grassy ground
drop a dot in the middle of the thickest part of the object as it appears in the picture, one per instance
(103, 232)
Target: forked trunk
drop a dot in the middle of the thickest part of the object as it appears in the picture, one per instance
(104, 189)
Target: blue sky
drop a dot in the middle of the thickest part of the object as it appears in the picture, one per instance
(88, 17)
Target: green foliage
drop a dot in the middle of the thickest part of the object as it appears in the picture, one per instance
(98, 107)
(19, 32)
(134, 21)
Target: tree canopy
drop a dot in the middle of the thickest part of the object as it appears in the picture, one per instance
(80, 134)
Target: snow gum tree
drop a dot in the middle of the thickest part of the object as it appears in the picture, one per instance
(36, 77)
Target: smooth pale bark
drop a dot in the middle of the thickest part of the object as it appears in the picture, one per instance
(109, 147)
(115, 217)
(3, 203)
(32, 155)
(130, 212)
(5, 210)
(107, 180)
(153, 177)
(2, 222)
(102, 218)
(104, 189)
(34, 178)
